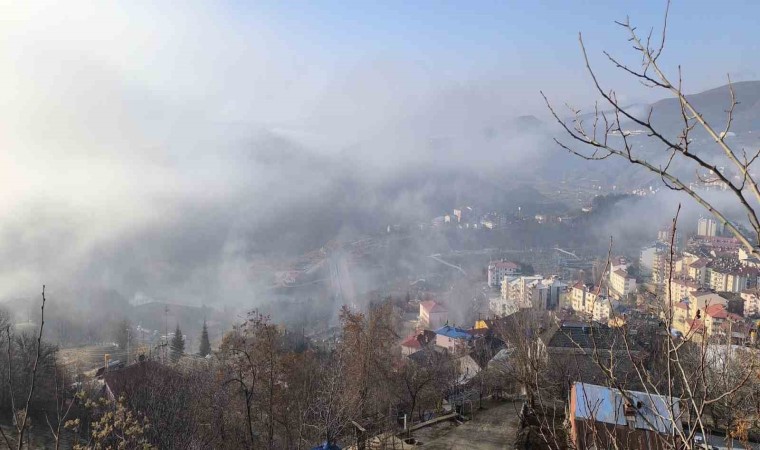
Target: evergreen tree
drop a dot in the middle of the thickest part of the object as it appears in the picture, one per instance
(177, 344)
(205, 348)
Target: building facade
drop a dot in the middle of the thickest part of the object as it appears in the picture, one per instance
(498, 270)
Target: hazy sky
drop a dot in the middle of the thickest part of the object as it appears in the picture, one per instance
(126, 127)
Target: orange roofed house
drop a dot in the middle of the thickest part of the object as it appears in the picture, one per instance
(433, 314)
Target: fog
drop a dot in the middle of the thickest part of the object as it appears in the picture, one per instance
(155, 152)
(166, 154)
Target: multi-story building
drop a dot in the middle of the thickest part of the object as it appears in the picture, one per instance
(704, 298)
(586, 301)
(581, 295)
(680, 290)
(751, 299)
(707, 226)
(533, 292)
(646, 259)
(697, 271)
(433, 314)
(698, 317)
(518, 291)
(621, 284)
(731, 276)
(618, 263)
(502, 306)
(497, 270)
(662, 266)
(722, 243)
(603, 308)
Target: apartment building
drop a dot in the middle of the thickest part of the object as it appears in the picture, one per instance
(621, 284)
(751, 299)
(497, 270)
(533, 292)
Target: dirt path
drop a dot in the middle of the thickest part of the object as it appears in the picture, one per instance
(494, 427)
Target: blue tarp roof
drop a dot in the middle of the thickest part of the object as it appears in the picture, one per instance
(453, 332)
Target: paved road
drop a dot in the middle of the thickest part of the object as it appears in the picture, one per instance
(719, 442)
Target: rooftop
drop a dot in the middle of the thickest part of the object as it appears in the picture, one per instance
(716, 311)
(581, 335)
(608, 405)
(453, 332)
(507, 265)
(431, 306)
(698, 263)
(622, 273)
(418, 340)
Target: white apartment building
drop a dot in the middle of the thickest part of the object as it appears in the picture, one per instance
(735, 279)
(533, 292)
(622, 284)
(602, 309)
(497, 270)
(707, 226)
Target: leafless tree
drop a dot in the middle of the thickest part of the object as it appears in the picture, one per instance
(605, 133)
(688, 370)
(21, 416)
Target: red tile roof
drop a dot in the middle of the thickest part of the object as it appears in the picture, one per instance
(418, 340)
(411, 342)
(716, 311)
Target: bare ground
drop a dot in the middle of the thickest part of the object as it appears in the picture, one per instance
(493, 427)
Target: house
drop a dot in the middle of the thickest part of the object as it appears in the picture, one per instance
(571, 348)
(416, 341)
(452, 338)
(497, 270)
(603, 417)
(429, 356)
(432, 314)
